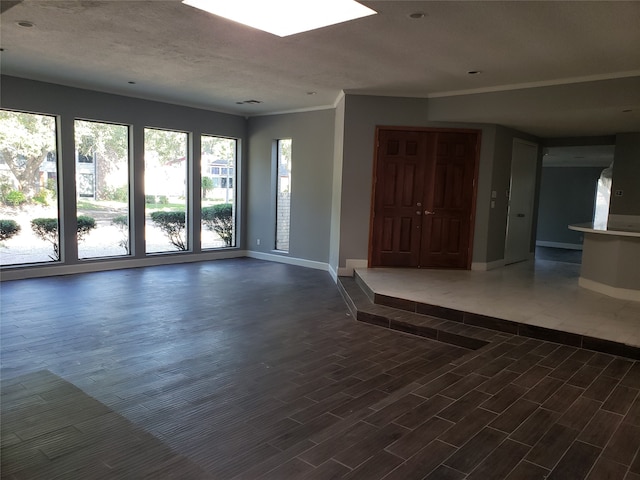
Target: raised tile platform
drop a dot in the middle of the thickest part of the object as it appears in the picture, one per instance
(457, 326)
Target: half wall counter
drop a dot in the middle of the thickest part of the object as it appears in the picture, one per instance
(611, 259)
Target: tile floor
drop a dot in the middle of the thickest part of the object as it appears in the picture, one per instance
(52, 429)
(244, 369)
(543, 293)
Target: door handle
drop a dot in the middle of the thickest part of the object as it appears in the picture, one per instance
(520, 215)
(427, 212)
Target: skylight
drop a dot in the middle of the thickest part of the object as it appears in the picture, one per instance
(284, 17)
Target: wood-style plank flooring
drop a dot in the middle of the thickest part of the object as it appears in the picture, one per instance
(244, 369)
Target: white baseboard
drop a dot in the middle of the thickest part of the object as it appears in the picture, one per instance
(483, 267)
(300, 262)
(351, 265)
(333, 274)
(21, 273)
(568, 246)
(621, 293)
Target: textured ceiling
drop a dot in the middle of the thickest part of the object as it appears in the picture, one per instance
(177, 54)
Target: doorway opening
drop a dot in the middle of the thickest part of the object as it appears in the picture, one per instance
(569, 195)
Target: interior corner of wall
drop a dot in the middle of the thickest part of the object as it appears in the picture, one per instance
(333, 272)
(351, 265)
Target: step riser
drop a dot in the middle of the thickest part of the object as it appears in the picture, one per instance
(471, 320)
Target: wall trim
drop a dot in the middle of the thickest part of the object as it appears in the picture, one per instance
(616, 292)
(301, 262)
(333, 106)
(350, 265)
(568, 246)
(333, 273)
(46, 270)
(484, 266)
(296, 110)
(538, 84)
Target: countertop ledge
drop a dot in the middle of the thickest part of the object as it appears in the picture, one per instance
(617, 230)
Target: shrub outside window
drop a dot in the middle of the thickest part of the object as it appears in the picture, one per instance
(29, 215)
(218, 197)
(102, 188)
(165, 183)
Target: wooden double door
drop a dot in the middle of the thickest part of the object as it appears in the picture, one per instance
(423, 198)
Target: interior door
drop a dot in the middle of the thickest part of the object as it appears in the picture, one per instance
(423, 199)
(524, 162)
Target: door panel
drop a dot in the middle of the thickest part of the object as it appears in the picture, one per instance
(396, 221)
(446, 236)
(389, 187)
(423, 199)
(521, 195)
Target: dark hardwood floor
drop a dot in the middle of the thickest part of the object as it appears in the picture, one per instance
(244, 369)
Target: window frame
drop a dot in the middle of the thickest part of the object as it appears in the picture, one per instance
(56, 159)
(279, 242)
(217, 180)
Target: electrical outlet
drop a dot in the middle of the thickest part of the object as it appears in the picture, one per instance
(258, 241)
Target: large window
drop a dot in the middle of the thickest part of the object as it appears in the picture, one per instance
(165, 184)
(102, 188)
(218, 192)
(28, 189)
(117, 208)
(283, 194)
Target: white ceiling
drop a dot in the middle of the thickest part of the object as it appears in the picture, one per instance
(178, 54)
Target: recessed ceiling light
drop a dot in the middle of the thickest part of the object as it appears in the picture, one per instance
(474, 72)
(284, 17)
(417, 15)
(312, 93)
(25, 23)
